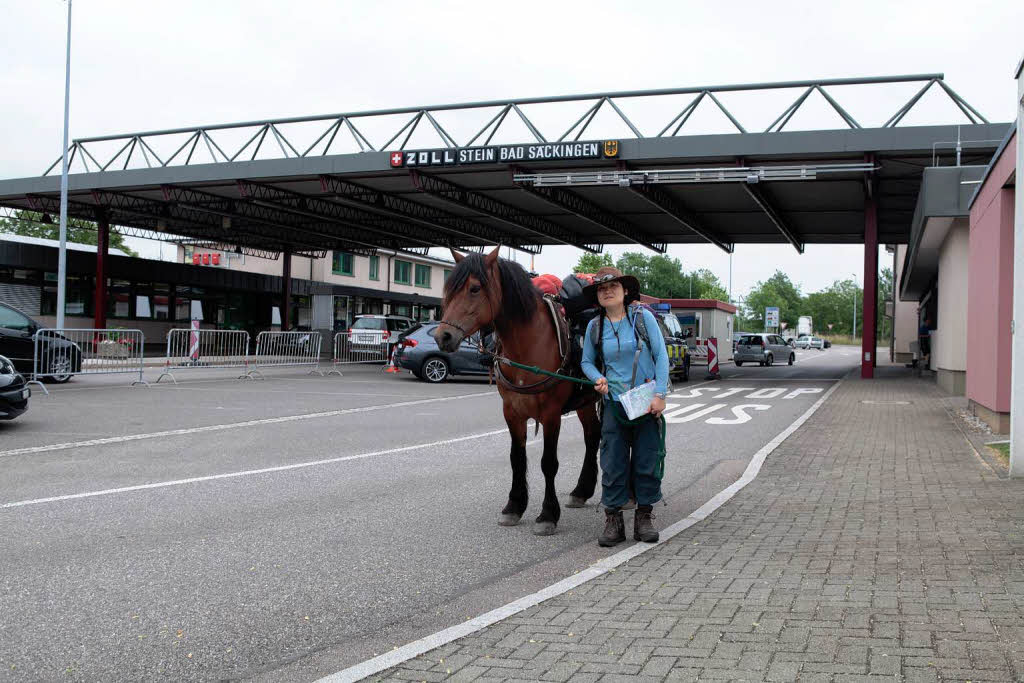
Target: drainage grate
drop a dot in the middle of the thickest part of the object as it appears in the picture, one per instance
(888, 403)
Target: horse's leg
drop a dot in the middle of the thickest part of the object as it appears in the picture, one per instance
(547, 520)
(519, 494)
(588, 473)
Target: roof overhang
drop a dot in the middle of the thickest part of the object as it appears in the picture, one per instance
(944, 199)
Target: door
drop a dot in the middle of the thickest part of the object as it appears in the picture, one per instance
(16, 340)
(780, 349)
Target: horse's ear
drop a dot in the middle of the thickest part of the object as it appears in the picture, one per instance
(492, 258)
(456, 255)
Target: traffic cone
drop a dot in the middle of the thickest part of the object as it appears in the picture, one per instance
(391, 367)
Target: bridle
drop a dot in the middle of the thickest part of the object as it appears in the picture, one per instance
(465, 333)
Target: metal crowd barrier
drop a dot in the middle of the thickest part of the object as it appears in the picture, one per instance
(66, 352)
(279, 349)
(189, 349)
(354, 347)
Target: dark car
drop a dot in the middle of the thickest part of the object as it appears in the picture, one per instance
(14, 391)
(418, 351)
(18, 337)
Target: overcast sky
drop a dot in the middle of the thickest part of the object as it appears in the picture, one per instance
(149, 65)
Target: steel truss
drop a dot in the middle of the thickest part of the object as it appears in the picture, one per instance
(140, 146)
(451, 226)
(481, 203)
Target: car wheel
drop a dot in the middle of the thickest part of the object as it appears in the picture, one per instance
(739, 364)
(769, 360)
(61, 369)
(435, 370)
(792, 358)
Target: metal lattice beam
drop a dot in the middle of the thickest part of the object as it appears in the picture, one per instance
(140, 146)
(659, 198)
(434, 219)
(481, 203)
(587, 210)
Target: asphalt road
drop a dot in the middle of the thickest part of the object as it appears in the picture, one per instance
(285, 529)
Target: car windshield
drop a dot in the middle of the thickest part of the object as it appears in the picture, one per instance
(368, 324)
(750, 340)
(672, 324)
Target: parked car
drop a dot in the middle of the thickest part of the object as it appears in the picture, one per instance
(803, 341)
(14, 391)
(763, 349)
(828, 344)
(418, 351)
(816, 343)
(369, 332)
(19, 335)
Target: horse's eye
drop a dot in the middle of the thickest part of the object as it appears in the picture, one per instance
(474, 289)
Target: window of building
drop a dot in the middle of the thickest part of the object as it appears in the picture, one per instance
(422, 275)
(343, 263)
(447, 274)
(403, 272)
(375, 267)
(402, 309)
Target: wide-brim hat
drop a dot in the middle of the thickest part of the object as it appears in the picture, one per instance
(611, 274)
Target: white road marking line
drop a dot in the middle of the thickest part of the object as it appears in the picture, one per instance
(406, 652)
(245, 473)
(223, 427)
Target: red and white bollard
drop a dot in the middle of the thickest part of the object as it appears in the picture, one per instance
(713, 358)
(193, 342)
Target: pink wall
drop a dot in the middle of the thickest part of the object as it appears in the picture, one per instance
(990, 288)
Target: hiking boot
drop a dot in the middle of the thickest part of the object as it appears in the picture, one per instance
(614, 529)
(643, 525)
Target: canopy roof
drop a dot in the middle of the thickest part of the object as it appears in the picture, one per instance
(652, 190)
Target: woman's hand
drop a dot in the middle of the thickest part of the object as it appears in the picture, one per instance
(601, 386)
(657, 407)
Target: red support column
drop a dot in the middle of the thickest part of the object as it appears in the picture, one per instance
(286, 291)
(870, 304)
(100, 296)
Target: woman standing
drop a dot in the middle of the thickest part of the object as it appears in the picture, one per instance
(623, 349)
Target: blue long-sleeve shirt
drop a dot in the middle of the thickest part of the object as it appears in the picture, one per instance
(619, 350)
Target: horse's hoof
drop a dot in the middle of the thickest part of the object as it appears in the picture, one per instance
(508, 519)
(576, 502)
(544, 528)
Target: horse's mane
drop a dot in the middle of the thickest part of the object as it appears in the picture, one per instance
(519, 296)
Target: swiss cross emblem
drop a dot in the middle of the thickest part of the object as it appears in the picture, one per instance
(396, 158)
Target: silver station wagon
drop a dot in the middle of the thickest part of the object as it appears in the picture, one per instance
(763, 349)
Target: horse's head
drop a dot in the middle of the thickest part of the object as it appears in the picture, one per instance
(472, 298)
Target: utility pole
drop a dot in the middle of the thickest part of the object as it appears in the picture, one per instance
(62, 253)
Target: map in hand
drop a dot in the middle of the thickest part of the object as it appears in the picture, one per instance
(636, 402)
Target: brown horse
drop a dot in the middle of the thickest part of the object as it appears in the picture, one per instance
(487, 290)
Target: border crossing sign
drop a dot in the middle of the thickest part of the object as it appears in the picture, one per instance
(771, 316)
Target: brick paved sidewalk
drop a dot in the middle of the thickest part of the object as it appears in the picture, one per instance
(874, 545)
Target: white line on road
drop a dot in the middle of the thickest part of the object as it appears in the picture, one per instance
(418, 647)
(245, 473)
(231, 425)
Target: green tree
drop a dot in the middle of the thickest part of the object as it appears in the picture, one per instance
(30, 224)
(885, 293)
(778, 290)
(706, 285)
(591, 263)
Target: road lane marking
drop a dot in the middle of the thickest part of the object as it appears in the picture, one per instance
(245, 473)
(402, 654)
(231, 425)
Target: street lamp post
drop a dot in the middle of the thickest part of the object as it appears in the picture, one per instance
(62, 254)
